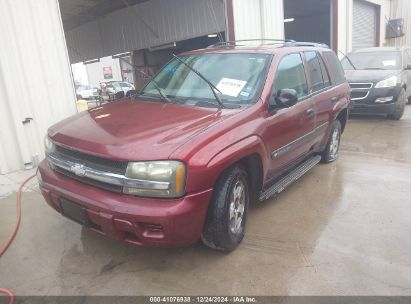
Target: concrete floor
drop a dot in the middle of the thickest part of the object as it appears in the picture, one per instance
(343, 229)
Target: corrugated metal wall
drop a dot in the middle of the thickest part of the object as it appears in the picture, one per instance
(145, 25)
(401, 9)
(254, 19)
(35, 79)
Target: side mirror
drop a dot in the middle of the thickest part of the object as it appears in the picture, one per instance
(408, 67)
(284, 98)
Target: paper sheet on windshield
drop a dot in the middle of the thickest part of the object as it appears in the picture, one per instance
(389, 63)
(231, 87)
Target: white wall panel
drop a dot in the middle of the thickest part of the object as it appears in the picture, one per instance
(401, 9)
(35, 78)
(145, 25)
(254, 19)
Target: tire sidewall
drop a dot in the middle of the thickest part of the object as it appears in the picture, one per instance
(217, 233)
(326, 156)
(237, 238)
(400, 105)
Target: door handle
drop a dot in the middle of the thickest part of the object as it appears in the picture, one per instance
(334, 99)
(309, 112)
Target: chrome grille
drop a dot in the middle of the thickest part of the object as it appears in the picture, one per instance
(92, 161)
(100, 172)
(360, 91)
(91, 182)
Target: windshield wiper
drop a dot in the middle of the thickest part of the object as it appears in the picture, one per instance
(158, 88)
(348, 59)
(212, 87)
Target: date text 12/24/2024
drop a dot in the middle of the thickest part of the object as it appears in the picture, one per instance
(203, 299)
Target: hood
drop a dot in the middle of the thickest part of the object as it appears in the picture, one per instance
(369, 75)
(135, 129)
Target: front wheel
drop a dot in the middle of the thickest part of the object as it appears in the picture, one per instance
(330, 152)
(224, 228)
(400, 106)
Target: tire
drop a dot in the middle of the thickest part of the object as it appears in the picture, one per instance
(400, 108)
(330, 153)
(223, 228)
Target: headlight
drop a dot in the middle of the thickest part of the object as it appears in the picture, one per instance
(157, 173)
(48, 145)
(387, 83)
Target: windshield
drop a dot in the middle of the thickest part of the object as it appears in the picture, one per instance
(386, 60)
(239, 77)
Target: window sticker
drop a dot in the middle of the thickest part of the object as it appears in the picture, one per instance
(245, 94)
(389, 63)
(231, 87)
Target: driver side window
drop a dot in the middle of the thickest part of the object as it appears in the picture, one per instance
(291, 75)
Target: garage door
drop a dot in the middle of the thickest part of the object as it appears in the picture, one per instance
(364, 25)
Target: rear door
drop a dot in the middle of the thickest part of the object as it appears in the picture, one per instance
(287, 129)
(322, 94)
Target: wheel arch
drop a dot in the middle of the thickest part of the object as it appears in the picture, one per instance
(342, 116)
(250, 154)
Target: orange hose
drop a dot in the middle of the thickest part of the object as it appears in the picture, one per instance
(8, 292)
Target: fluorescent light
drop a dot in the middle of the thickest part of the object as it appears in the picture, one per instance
(91, 61)
(289, 20)
(212, 35)
(162, 47)
(121, 55)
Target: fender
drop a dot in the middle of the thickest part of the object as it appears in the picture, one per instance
(206, 177)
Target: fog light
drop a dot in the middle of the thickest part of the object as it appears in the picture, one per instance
(384, 99)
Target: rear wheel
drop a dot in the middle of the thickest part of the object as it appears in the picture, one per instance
(224, 228)
(400, 106)
(332, 148)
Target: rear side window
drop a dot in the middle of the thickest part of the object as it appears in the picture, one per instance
(335, 67)
(291, 75)
(324, 72)
(314, 71)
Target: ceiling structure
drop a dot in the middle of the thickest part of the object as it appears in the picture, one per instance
(77, 12)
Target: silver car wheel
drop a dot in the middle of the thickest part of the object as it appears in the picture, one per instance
(237, 206)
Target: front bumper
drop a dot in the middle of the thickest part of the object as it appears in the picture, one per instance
(134, 220)
(368, 105)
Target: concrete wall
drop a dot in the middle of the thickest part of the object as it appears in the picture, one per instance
(35, 79)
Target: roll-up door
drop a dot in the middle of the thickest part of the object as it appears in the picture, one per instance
(364, 25)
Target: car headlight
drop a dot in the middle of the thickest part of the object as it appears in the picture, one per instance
(157, 178)
(48, 145)
(387, 83)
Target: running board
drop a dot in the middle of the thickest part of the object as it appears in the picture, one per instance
(291, 177)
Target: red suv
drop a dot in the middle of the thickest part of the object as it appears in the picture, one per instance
(213, 131)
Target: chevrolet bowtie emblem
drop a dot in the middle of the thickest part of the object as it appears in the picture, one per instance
(78, 170)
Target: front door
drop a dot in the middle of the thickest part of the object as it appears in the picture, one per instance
(288, 130)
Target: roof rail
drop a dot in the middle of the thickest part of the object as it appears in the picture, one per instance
(283, 42)
(236, 42)
(295, 43)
